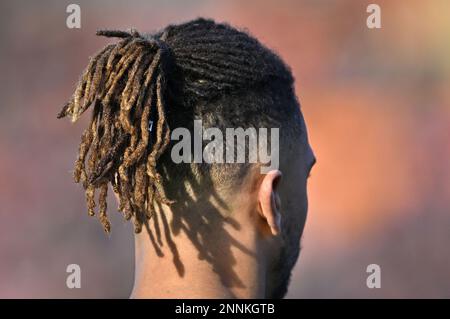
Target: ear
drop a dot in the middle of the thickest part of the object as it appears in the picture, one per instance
(269, 201)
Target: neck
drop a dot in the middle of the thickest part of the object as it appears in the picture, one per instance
(217, 263)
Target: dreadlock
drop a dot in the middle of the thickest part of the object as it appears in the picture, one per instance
(129, 84)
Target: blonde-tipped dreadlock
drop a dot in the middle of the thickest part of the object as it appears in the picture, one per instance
(125, 76)
(127, 84)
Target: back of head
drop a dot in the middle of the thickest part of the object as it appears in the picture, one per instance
(144, 86)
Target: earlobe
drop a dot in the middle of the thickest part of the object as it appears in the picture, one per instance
(269, 201)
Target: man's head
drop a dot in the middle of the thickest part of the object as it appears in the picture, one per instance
(145, 87)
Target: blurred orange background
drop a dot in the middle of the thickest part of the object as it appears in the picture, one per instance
(376, 102)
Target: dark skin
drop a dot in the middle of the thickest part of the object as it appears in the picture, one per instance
(268, 213)
(227, 232)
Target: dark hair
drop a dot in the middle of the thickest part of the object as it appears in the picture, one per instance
(199, 69)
